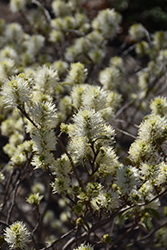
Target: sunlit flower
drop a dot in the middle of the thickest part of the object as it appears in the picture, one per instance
(137, 31)
(159, 106)
(77, 73)
(46, 80)
(34, 199)
(110, 78)
(17, 5)
(84, 247)
(127, 179)
(107, 22)
(14, 32)
(44, 114)
(17, 235)
(16, 92)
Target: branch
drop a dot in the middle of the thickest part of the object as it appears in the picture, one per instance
(61, 238)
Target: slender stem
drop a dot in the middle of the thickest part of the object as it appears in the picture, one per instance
(26, 115)
(13, 200)
(36, 226)
(71, 161)
(124, 235)
(61, 238)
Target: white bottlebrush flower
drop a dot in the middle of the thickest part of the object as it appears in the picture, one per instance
(162, 57)
(16, 139)
(143, 79)
(82, 45)
(71, 54)
(16, 92)
(137, 32)
(112, 200)
(149, 171)
(61, 185)
(17, 235)
(107, 22)
(43, 160)
(146, 194)
(14, 33)
(69, 22)
(159, 106)
(61, 166)
(44, 140)
(161, 177)
(60, 66)
(127, 179)
(34, 44)
(60, 8)
(97, 54)
(108, 200)
(153, 129)
(76, 95)
(79, 149)
(17, 5)
(110, 78)
(141, 151)
(142, 48)
(34, 199)
(18, 159)
(160, 40)
(107, 161)
(44, 114)
(84, 247)
(9, 52)
(94, 98)
(77, 74)
(65, 107)
(95, 38)
(7, 68)
(46, 80)
(90, 126)
(56, 36)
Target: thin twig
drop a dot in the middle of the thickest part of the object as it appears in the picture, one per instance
(71, 161)
(45, 11)
(61, 238)
(126, 133)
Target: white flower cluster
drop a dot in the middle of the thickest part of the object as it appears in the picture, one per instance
(62, 169)
(152, 133)
(107, 22)
(84, 247)
(17, 235)
(89, 128)
(137, 32)
(17, 5)
(16, 92)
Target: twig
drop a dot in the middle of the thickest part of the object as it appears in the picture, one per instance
(126, 133)
(45, 11)
(13, 200)
(71, 161)
(124, 235)
(61, 238)
(36, 226)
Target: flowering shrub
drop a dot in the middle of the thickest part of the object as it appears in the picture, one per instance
(86, 129)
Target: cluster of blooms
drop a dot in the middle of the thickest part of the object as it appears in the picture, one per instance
(48, 103)
(17, 235)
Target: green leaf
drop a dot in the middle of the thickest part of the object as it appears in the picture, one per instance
(165, 210)
(147, 223)
(153, 212)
